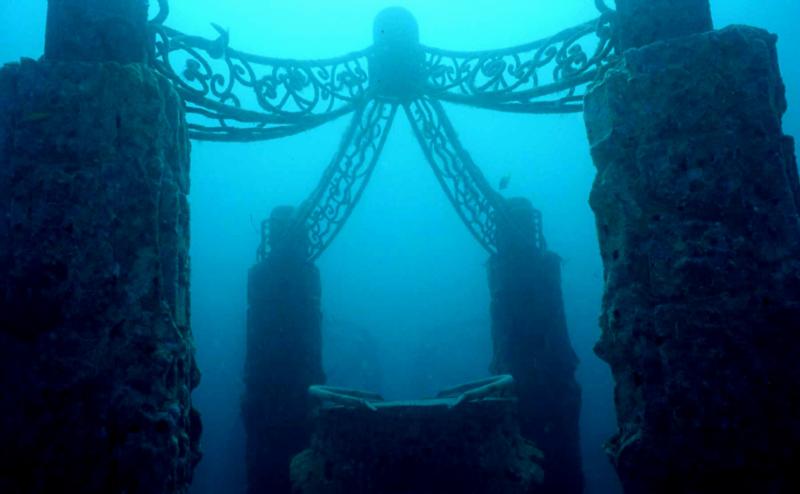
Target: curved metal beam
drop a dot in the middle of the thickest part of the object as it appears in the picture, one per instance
(163, 13)
(544, 76)
(602, 7)
(325, 212)
(475, 201)
(218, 127)
(229, 89)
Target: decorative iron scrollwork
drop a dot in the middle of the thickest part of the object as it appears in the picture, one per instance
(540, 77)
(469, 192)
(330, 205)
(235, 96)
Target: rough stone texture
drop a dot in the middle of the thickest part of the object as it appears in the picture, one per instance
(284, 358)
(643, 22)
(419, 448)
(696, 199)
(97, 31)
(96, 356)
(531, 342)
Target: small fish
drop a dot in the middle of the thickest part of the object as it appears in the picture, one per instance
(504, 182)
(35, 117)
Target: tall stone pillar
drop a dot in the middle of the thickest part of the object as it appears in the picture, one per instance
(96, 355)
(284, 356)
(531, 343)
(696, 199)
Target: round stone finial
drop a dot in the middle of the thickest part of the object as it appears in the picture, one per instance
(396, 66)
(395, 26)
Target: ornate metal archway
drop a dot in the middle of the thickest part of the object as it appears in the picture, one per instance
(235, 96)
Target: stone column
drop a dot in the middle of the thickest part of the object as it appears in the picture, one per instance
(284, 356)
(697, 199)
(96, 356)
(531, 343)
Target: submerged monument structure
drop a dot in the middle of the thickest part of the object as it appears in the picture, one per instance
(696, 200)
(96, 354)
(396, 73)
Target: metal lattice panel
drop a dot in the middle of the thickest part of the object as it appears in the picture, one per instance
(345, 179)
(235, 96)
(545, 76)
(473, 198)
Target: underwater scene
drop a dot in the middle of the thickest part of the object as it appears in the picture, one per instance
(399, 247)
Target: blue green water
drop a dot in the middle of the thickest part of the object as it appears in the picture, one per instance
(405, 276)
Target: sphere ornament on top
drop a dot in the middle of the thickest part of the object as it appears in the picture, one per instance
(396, 66)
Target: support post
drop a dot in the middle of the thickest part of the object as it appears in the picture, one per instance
(696, 199)
(284, 355)
(96, 354)
(532, 344)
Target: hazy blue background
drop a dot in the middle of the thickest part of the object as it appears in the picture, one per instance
(404, 276)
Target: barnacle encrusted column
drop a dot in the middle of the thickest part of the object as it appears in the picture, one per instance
(96, 356)
(284, 355)
(697, 200)
(531, 343)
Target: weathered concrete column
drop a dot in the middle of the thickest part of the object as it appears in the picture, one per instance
(646, 21)
(697, 200)
(532, 344)
(96, 355)
(284, 356)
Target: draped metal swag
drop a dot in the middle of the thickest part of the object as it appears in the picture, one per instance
(236, 97)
